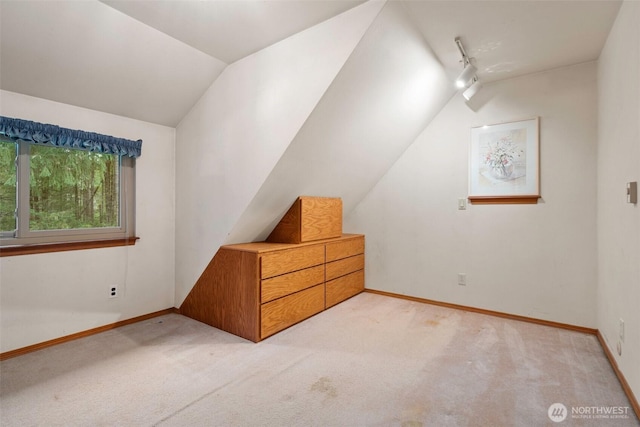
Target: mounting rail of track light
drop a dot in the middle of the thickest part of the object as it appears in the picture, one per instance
(468, 78)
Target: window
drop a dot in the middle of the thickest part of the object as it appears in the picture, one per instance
(59, 191)
(8, 186)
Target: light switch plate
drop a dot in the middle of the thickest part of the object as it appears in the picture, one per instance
(632, 192)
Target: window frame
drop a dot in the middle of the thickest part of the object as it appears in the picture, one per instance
(66, 239)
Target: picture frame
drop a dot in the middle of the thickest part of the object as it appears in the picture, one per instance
(504, 162)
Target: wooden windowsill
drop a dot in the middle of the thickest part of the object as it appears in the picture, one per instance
(513, 200)
(62, 247)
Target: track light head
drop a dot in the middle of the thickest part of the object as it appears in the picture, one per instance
(468, 74)
(472, 90)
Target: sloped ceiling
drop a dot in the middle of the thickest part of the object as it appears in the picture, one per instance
(511, 38)
(152, 60)
(90, 55)
(231, 30)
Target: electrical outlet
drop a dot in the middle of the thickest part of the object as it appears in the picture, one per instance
(462, 279)
(619, 348)
(621, 330)
(113, 291)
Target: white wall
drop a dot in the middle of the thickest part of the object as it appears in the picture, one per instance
(619, 163)
(232, 138)
(47, 296)
(391, 86)
(530, 260)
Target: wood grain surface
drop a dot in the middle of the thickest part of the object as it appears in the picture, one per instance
(282, 262)
(344, 266)
(321, 218)
(345, 248)
(288, 229)
(284, 312)
(226, 295)
(286, 284)
(344, 287)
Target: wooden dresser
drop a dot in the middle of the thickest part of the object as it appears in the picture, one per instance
(255, 290)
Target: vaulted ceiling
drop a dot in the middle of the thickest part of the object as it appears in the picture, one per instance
(153, 60)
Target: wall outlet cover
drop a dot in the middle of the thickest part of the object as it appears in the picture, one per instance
(462, 279)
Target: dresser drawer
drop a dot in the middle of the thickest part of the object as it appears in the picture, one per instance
(345, 248)
(344, 287)
(288, 260)
(284, 312)
(344, 266)
(289, 283)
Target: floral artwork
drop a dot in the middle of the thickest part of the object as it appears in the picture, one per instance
(504, 154)
(504, 160)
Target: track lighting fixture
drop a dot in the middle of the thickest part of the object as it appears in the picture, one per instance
(472, 90)
(468, 78)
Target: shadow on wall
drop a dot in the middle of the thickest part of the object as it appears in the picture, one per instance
(387, 92)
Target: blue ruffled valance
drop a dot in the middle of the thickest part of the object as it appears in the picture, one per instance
(39, 133)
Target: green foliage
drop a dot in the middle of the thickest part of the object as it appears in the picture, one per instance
(7, 185)
(72, 189)
(68, 188)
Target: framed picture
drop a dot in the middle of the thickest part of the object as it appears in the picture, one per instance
(504, 163)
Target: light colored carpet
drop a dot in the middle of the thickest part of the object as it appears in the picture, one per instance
(370, 361)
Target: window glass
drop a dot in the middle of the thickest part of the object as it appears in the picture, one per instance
(72, 189)
(8, 153)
